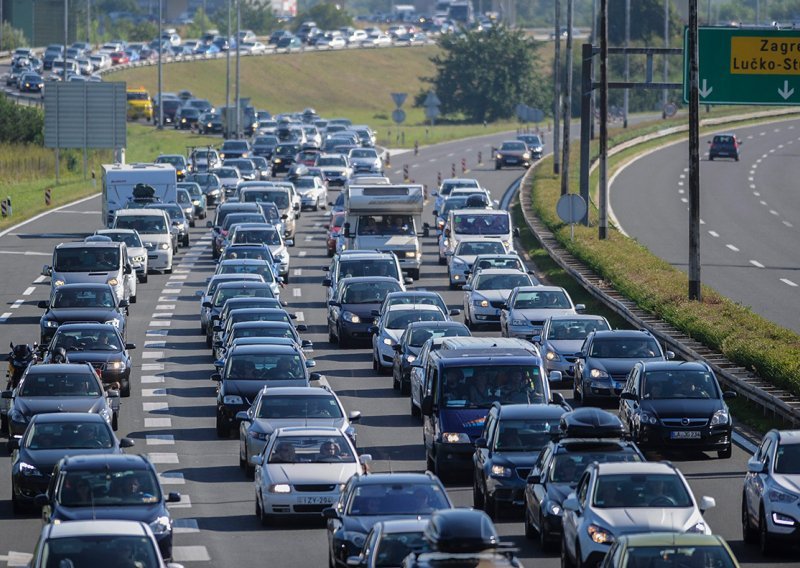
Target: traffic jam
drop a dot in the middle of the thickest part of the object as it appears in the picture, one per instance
(484, 379)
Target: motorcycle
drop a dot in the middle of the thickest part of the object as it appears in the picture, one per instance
(20, 357)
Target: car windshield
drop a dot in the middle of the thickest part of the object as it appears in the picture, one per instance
(193, 189)
(385, 225)
(284, 331)
(481, 224)
(337, 161)
(532, 140)
(411, 298)
(533, 300)
(638, 490)
(227, 173)
(92, 339)
(266, 141)
(419, 335)
(132, 240)
(670, 556)
(235, 218)
(266, 366)
(475, 248)
(311, 449)
(513, 146)
(787, 459)
(499, 262)
(261, 268)
(526, 435)
(368, 292)
(567, 468)
(174, 211)
(279, 197)
(225, 294)
(84, 298)
(680, 384)
(724, 140)
(60, 384)
(99, 550)
(501, 281)
(455, 202)
(481, 386)
(400, 319)
(298, 406)
(382, 267)
(286, 150)
(90, 259)
(395, 546)
(247, 252)
(365, 153)
(144, 224)
(256, 236)
(105, 488)
(374, 499)
(172, 160)
(630, 348)
(234, 145)
(68, 436)
(571, 330)
(243, 165)
(449, 186)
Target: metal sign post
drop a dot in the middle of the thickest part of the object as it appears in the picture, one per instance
(694, 156)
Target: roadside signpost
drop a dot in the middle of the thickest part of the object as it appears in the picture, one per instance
(746, 66)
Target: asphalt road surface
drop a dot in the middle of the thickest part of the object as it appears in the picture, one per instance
(171, 411)
(749, 210)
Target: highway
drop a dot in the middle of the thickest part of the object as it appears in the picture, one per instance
(171, 411)
(750, 214)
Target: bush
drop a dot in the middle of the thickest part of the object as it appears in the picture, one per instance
(20, 124)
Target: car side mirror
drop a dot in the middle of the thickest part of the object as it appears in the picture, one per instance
(256, 460)
(209, 224)
(216, 377)
(208, 305)
(217, 328)
(536, 339)
(127, 269)
(466, 288)
(558, 398)
(670, 355)
(126, 443)
(448, 253)
(580, 308)
(301, 327)
(427, 405)
(754, 465)
(708, 142)
(242, 416)
(328, 513)
(173, 497)
(707, 503)
(310, 363)
(434, 193)
(354, 416)
(408, 280)
(435, 212)
(555, 377)
(571, 503)
(372, 330)
(199, 293)
(481, 443)
(296, 207)
(516, 232)
(326, 282)
(727, 395)
(43, 304)
(6, 394)
(130, 346)
(455, 312)
(334, 303)
(123, 303)
(397, 348)
(306, 344)
(534, 479)
(289, 242)
(356, 561)
(627, 395)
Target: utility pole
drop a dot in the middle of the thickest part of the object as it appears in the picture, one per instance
(593, 42)
(557, 88)
(665, 92)
(603, 220)
(66, 38)
(227, 129)
(694, 157)
(238, 52)
(708, 14)
(567, 102)
(160, 77)
(626, 93)
(88, 21)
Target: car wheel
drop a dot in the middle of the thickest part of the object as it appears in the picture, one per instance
(442, 260)
(168, 270)
(414, 409)
(192, 223)
(186, 241)
(490, 506)
(764, 538)
(125, 391)
(208, 339)
(331, 336)
(710, 158)
(286, 277)
(477, 496)
(17, 507)
(202, 329)
(497, 165)
(576, 395)
(115, 422)
(749, 534)
(726, 453)
(132, 299)
(143, 278)
(430, 463)
(530, 530)
(545, 540)
(223, 429)
(439, 469)
(395, 382)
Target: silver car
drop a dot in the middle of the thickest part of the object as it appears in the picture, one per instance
(137, 253)
(487, 292)
(528, 307)
(461, 260)
(562, 337)
(279, 407)
(365, 160)
(312, 191)
(613, 499)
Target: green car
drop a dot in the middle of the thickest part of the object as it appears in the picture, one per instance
(671, 549)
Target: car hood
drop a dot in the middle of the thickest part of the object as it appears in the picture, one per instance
(647, 519)
(614, 366)
(94, 356)
(469, 420)
(492, 295)
(683, 407)
(99, 277)
(248, 389)
(363, 311)
(363, 161)
(557, 492)
(566, 346)
(83, 314)
(790, 483)
(468, 259)
(393, 334)
(45, 460)
(136, 251)
(381, 242)
(270, 425)
(47, 404)
(311, 473)
(517, 459)
(364, 523)
(143, 513)
(540, 314)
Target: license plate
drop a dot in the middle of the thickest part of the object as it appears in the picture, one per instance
(684, 435)
(511, 160)
(316, 500)
(152, 256)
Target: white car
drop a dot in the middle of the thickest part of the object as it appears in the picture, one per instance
(137, 253)
(365, 160)
(392, 324)
(302, 470)
(264, 233)
(461, 260)
(312, 191)
(613, 499)
(447, 187)
(377, 40)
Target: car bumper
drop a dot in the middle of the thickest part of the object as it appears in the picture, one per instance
(301, 503)
(213, 196)
(523, 332)
(159, 260)
(783, 532)
(27, 487)
(309, 200)
(605, 389)
(566, 367)
(508, 492)
(385, 355)
(337, 181)
(410, 263)
(485, 315)
(458, 277)
(355, 330)
(455, 456)
(702, 439)
(514, 161)
(227, 412)
(46, 335)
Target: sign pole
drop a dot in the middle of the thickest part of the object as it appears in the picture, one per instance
(160, 51)
(694, 157)
(603, 221)
(567, 102)
(557, 90)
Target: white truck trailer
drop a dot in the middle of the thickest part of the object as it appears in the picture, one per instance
(119, 180)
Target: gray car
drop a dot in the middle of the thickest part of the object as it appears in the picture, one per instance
(561, 338)
(463, 257)
(137, 252)
(528, 307)
(365, 160)
(487, 292)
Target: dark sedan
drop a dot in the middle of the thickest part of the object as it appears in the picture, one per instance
(677, 405)
(512, 153)
(98, 344)
(411, 342)
(187, 118)
(283, 157)
(264, 146)
(31, 83)
(47, 439)
(350, 312)
(81, 302)
(210, 123)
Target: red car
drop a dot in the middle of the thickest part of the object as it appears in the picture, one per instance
(307, 157)
(119, 57)
(334, 228)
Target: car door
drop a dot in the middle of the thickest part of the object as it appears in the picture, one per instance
(754, 482)
(483, 454)
(572, 519)
(627, 408)
(536, 493)
(505, 313)
(429, 426)
(417, 375)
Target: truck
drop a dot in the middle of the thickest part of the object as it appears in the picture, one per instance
(386, 218)
(462, 12)
(120, 180)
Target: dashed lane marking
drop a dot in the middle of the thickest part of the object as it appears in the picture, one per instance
(297, 272)
(178, 277)
(190, 553)
(29, 291)
(158, 422)
(154, 392)
(185, 526)
(733, 248)
(156, 323)
(4, 317)
(301, 254)
(155, 406)
(156, 332)
(297, 292)
(773, 212)
(299, 317)
(25, 253)
(152, 355)
(160, 439)
(16, 558)
(40, 279)
(151, 344)
(756, 264)
(165, 457)
(171, 478)
(184, 503)
(162, 315)
(152, 379)
(788, 282)
(788, 224)
(16, 304)
(165, 307)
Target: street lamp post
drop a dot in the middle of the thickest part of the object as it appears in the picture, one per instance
(227, 131)
(238, 52)
(160, 78)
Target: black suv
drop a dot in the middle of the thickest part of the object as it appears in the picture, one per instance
(724, 146)
(677, 405)
(588, 435)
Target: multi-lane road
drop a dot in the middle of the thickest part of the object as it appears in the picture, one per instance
(750, 213)
(171, 411)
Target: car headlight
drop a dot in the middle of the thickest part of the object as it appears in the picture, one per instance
(445, 243)
(526, 156)
(455, 438)
(350, 317)
(647, 418)
(499, 156)
(411, 358)
(481, 303)
(29, 470)
(600, 535)
(280, 488)
(598, 374)
(698, 528)
(388, 341)
(165, 246)
(232, 399)
(112, 282)
(50, 323)
(501, 471)
(777, 496)
(411, 254)
(552, 355)
(161, 525)
(277, 160)
(209, 125)
(256, 435)
(520, 322)
(58, 282)
(115, 365)
(114, 322)
(784, 520)
(720, 418)
(554, 509)
(195, 202)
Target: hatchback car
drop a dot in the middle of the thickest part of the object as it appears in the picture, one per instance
(561, 338)
(463, 257)
(486, 294)
(391, 325)
(669, 549)
(528, 307)
(724, 146)
(81, 303)
(389, 542)
(350, 311)
(512, 153)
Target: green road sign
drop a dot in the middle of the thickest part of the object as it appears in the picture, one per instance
(745, 66)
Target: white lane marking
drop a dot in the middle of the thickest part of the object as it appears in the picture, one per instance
(29, 291)
(773, 212)
(788, 224)
(776, 130)
(40, 279)
(756, 264)
(751, 172)
(169, 291)
(297, 292)
(686, 169)
(150, 344)
(16, 304)
(152, 379)
(185, 526)
(165, 307)
(432, 160)
(451, 154)
(157, 332)
(750, 137)
(702, 222)
(301, 254)
(160, 324)
(4, 317)
(750, 178)
(788, 282)
(757, 193)
(713, 234)
(158, 422)
(190, 554)
(184, 503)
(772, 151)
(780, 146)
(154, 392)
(162, 315)
(758, 161)
(681, 191)
(164, 457)
(297, 272)
(684, 200)
(16, 559)
(160, 439)
(24, 253)
(299, 317)
(181, 271)
(762, 133)
(682, 176)
(733, 248)
(171, 478)
(178, 277)
(172, 285)
(414, 166)
(762, 202)
(154, 406)
(152, 366)
(152, 355)
(680, 183)
(309, 238)
(166, 298)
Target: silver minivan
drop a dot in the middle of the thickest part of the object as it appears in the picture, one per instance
(93, 261)
(155, 228)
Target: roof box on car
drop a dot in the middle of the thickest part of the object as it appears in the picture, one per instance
(590, 423)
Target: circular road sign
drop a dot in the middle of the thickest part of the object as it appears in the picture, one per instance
(670, 109)
(571, 208)
(399, 115)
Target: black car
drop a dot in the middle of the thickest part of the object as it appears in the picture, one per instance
(535, 144)
(368, 499)
(47, 439)
(587, 435)
(513, 435)
(62, 387)
(408, 347)
(210, 123)
(677, 405)
(724, 146)
(209, 183)
(264, 146)
(283, 157)
(234, 149)
(31, 83)
(350, 310)
(98, 344)
(171, 109)
(187, 118)
(111, 487)
(512, 153)
(242, 251)
(81, 302)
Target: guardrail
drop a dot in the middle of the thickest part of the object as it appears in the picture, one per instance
(751, 387)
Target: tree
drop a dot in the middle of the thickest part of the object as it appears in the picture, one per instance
(12, 37)
(200, 23)
(485, 74)
(256, 15)
(327, 16)
(647, 20)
